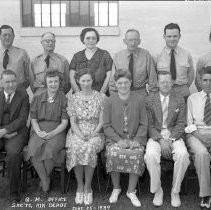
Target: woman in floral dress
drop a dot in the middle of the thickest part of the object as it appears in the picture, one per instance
(84, 139)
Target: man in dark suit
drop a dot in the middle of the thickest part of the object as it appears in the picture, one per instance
(14, 110)
(166, 113)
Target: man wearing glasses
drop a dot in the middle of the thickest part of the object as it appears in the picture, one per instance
(138, 61)
(47, 61)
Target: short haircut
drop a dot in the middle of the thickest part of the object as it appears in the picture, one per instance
(171, 26)
(132, 30)
(205, 70)
(54, 36)
(159, 73)
(8, 72)
(53, 73)
(85, 30)
(79, 73)
(122, 73)
(6, 27)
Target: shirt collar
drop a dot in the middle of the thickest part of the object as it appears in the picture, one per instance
(135, 53)
(162, 96)
(6, 94)
(204, 94)
(168, 50)
(3, 49)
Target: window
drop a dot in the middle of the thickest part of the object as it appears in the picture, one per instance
(66, 13)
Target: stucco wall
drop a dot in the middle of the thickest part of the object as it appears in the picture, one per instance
(148, 17)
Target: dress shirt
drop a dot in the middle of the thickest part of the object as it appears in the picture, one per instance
(39, 68)
(184, 65)
(203, 61)
(19, 62)
(195, 112)
(162, 97)
(6, 96)
(144, 69)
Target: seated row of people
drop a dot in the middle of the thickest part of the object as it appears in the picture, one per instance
(126, 119)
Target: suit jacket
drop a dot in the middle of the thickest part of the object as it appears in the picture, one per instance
(176, 115)
(19, 111)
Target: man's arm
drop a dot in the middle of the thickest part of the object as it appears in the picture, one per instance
(199, 67)
(178, 130)
(152, 131)
(20, 122)
(152, 75)
(190, 71)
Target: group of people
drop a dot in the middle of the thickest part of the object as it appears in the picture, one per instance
(132, 107)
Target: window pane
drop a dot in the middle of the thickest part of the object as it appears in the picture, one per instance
(96, 11)
(103, 13)
(63, 14)
(84, 13)
(37, 15)
(55, 14)
(92, 13)
(27, 20)
(74, 13)
(113, 13)
(46, 15)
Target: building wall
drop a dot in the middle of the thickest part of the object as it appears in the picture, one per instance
(148, 17)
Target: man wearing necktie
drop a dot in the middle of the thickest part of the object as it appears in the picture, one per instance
(47, 61)
(166, 115)
(13, 58)
(14, 111)
(138, 61)
(176, 60)
(199, 134)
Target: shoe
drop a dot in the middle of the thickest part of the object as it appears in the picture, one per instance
(79, 198)
(88, 198)
(175, 200)
(114, 195)
(206, 202)
(15, 197)
(158, 197)
(133, 198)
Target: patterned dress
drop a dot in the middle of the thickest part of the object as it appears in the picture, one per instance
(100, 63)
(87, 112)
(125, 120)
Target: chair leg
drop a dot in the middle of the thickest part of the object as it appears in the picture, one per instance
(62, 178)
(68, 182)
(98, 178)
(107, 185)
(24, 181)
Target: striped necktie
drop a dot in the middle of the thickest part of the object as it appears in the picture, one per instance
(207, 111)
(8, 98)
(165, 112)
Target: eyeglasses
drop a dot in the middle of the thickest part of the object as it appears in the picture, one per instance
(49, 40)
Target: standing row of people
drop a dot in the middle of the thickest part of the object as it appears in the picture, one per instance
(123, 117)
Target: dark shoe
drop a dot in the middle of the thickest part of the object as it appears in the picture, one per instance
(15, 197)
(206, 202)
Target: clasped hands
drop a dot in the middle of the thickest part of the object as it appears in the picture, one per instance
(128, 144)
(87, 137)
(45, 135)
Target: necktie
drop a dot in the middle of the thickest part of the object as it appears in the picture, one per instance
(207, 111)
(5, 59)
(47, 60)
(8, 98)
(165, 112)
(130, 67)
(173, 66)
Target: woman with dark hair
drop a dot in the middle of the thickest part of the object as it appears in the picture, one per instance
(94, 58)
(125, 129)
(84, 139)
(49, 120)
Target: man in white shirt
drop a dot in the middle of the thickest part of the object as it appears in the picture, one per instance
(166, 115)
(199, 134)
